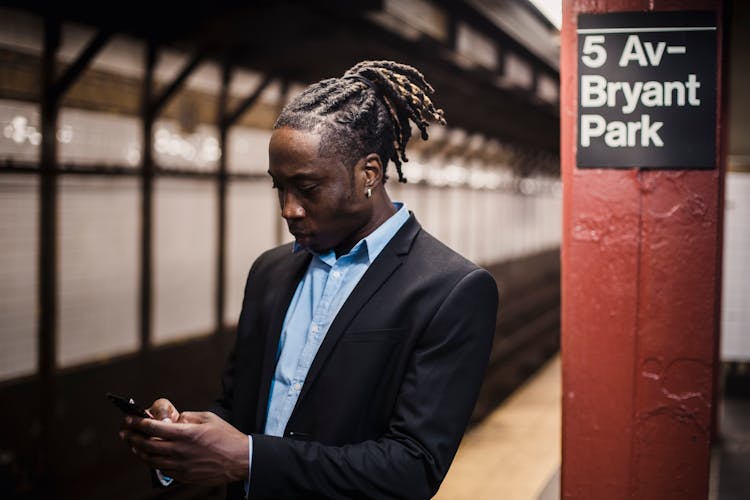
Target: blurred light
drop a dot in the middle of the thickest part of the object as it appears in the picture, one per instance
(455, 175)
(436, 133)
(35, 138)
(506, 176)
(20, 131)
(160, 136)
(210, 150)
(173, 146)
(492, 180)
(65, 134)
(527, 186)
(413, 171)
(456, 137)
(198, 148)
(476, 178)
(476, 142)
(435, 177)
(133, 154)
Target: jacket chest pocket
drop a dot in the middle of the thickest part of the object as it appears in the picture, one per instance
(363, 360)
(356, 388)
(385, 335)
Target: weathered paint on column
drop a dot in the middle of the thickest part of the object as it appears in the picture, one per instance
(641, 268)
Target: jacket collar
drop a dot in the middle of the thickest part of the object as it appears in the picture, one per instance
(379, 271)
(389, 260)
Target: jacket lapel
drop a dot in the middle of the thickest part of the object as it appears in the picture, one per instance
(379, 271)
(285, 288)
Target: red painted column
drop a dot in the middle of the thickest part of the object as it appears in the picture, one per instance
(641, 276)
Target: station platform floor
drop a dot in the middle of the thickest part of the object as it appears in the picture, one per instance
(514, 453)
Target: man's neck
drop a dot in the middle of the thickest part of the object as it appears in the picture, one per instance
(383, 211)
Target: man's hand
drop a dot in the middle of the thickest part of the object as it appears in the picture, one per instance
(163, 409)
(199, 448)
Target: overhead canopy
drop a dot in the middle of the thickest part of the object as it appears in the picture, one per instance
(308, 41)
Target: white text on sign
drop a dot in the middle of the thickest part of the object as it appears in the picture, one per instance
(598, 92)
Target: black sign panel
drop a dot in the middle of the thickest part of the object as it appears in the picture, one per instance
(647, 90)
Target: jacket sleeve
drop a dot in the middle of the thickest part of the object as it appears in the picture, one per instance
(433, 407)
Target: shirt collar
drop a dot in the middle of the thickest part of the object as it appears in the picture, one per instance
(373, 243)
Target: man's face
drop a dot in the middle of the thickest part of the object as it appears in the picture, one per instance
(319, 197)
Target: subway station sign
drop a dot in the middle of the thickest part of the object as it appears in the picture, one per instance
(647, 90)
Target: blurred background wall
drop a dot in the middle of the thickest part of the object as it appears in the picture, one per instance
(134, 198)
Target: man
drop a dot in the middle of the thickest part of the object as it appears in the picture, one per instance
(360, 349)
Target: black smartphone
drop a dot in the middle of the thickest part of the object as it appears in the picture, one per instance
(127, 406)
(130, 407)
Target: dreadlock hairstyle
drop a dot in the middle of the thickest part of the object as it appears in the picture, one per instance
(366, 111)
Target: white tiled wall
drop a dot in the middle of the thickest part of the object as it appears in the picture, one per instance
(98, 265)
(486, 226)
(735, 341)
(99, 254)
(99, 139)
(251, 228)
(99, 233)
(247, 150)
(19, 213)
(99, 228)
(184, 264)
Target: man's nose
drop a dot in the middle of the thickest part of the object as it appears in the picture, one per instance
(291, 208)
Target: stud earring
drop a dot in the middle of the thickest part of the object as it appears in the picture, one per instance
(368, 193)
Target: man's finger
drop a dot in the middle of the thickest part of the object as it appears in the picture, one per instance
(158, 447)
(127, 426)
(163, 408)
(164, 430)
(194, 417)
(159, 462)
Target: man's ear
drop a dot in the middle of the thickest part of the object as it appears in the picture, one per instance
(373, 170)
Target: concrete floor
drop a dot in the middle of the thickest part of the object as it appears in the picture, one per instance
(733, 450)
(515, 452)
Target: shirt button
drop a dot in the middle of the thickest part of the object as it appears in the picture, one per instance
(297, 386)
(314, 329)
(336, 274)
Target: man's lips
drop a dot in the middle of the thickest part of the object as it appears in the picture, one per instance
(298, 233)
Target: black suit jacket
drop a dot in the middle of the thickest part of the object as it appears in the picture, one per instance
(391, 389)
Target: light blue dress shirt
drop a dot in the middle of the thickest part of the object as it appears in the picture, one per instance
(324, 288)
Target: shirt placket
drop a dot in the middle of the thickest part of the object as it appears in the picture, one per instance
(319, 325)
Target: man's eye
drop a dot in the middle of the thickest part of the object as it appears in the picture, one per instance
(307, 188)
